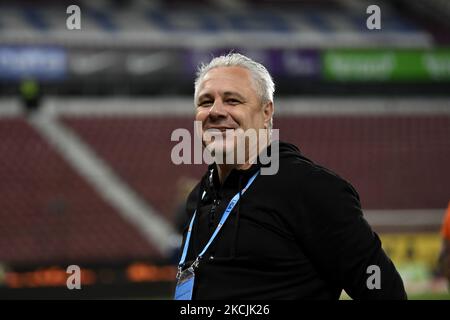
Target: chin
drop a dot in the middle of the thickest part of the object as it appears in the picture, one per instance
(220, 152)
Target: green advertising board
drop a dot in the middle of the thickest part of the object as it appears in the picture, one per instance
(386, 65)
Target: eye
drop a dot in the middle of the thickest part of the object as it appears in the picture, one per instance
(233, 102)
(205, 103)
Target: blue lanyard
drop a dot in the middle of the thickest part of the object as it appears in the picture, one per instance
(225, 215)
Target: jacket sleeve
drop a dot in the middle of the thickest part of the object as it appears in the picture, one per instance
(340, 242)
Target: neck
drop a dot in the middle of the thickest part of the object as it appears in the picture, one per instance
(224, 169)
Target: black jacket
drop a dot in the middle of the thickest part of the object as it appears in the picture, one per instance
(298, 234)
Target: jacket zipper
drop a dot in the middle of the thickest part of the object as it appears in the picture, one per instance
(212, 213)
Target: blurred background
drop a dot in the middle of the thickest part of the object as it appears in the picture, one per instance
(86, 117)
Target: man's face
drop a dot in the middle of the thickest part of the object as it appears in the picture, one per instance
(227, 99)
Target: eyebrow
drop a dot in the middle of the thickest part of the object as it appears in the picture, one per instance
(205, 96)
(226, 94)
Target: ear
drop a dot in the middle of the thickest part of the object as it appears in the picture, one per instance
(268, 113)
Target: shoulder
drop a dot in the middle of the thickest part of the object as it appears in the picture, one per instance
(315, 189)
(309, 177)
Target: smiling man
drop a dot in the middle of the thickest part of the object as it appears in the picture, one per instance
(236, 116)
(296, 234)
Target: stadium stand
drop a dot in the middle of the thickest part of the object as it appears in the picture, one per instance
(50, 214)
(378, 154)
(303, 23)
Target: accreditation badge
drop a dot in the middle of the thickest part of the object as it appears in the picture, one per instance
(185, 285)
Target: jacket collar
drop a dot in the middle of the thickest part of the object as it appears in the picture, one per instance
(236, 177)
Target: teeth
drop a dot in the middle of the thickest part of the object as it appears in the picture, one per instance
(221, 129)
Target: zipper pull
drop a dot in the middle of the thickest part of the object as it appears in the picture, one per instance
(212, 212)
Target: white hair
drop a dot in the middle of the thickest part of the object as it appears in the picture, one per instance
(264, 85)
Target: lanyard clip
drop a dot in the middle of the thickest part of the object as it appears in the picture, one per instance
(179, 273)
(196, 262)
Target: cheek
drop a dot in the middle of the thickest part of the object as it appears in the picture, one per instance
(201, 115)
(257, 119)
(238, 116)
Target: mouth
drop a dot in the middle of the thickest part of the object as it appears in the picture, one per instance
(222, 129)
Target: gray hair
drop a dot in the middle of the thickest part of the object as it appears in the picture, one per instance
(262, 79)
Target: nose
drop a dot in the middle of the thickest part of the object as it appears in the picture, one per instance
(217, 110)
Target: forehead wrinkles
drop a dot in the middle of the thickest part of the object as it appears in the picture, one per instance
(253, 83)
